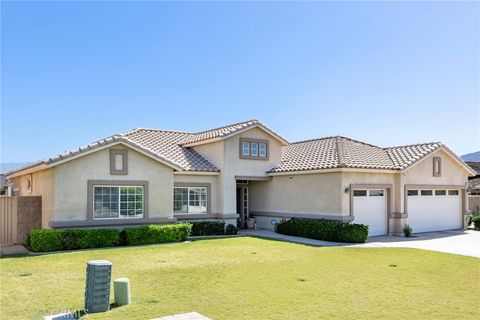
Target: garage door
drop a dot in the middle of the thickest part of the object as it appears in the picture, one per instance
(370, 208)
(434, 210)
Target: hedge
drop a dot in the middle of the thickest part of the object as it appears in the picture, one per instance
(476, 222)
(207, 228)
(321, 229)
(90, 238)
(156, 234)
(231, 230)
(45, 240)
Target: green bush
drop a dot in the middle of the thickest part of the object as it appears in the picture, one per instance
(476, 222)
(407, 230)
(321, 229)
(90, 238)
(208, 228)
(231, 230)
(45, 240)
(157, 234)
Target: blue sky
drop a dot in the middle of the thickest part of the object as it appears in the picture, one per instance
(385, 73)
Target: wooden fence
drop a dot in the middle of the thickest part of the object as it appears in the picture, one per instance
(8, 220)
(18, 215)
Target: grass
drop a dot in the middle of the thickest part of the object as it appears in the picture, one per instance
(249, 278)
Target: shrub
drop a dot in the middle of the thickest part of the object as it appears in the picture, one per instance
(157, 234)
(407, 230)
(45, 240)
(476, 222)
(90, 238)
(321, 229)
(208, 228)
(231, 230)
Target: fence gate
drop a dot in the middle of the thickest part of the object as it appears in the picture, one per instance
(8, 220)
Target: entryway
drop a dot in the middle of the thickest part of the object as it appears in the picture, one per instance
(242, 203)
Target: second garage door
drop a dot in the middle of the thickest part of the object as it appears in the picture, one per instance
(434, 210)
(370, 208)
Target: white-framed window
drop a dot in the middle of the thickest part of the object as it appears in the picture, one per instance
(359, 193)
(375, 193)
(262, 149)
(412, 193)
(190, 200)
(437, 166)
(118, 202)
(440, 192)
(245, 148)
(254, 149)
(426, 192)
(453, 192)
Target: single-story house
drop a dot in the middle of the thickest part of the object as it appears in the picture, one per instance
(473, 190)
(247, 170)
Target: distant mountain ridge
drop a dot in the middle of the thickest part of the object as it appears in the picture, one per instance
(9, 166)
(473, 157)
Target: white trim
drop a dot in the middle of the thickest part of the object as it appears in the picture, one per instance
(188, 200)
(363, 170)
(27, 170)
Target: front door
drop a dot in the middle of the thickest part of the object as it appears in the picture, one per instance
(242, 204)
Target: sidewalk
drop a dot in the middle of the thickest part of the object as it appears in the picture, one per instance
(13, 250)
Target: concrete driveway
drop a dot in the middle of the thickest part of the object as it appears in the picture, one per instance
(466, 243)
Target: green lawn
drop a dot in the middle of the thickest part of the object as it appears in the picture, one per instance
(249, 278)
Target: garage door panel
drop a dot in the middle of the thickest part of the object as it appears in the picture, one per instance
(370, 208)
(434, 210)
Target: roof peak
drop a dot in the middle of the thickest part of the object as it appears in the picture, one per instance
(412, 145)
(229, 125)
(335, 137)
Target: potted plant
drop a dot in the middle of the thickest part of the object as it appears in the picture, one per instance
(251, 223)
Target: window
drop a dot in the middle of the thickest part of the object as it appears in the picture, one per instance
(426, 192)
(118, 202)
(254, 149)
(440, 192)
(437, 166)
(412, 193)
(453, 192)
(375, 193)
(118, 161)
(190, 200)
(263, 149)
(246, 148)
(359, 193)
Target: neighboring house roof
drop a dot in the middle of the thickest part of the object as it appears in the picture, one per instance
(343, 152)
(227, 131)
(474, 184)
(475, 166)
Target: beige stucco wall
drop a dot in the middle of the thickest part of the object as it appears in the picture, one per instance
(312, 193)
(215, 203)
(422, 173)
(71, 183)
(225, 155)
(43, 185)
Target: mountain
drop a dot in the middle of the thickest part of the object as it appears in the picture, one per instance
(9, 166)
(473, 157)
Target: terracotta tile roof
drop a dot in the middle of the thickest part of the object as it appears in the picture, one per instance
(166, 144)
(404, 156)
(225, 131)
(343, 152)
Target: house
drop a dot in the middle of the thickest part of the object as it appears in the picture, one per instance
(246, 170)
(473, 190)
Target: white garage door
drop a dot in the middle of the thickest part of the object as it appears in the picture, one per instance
(434, 210)
(370, 208)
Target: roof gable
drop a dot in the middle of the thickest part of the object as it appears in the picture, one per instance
(228, 131)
